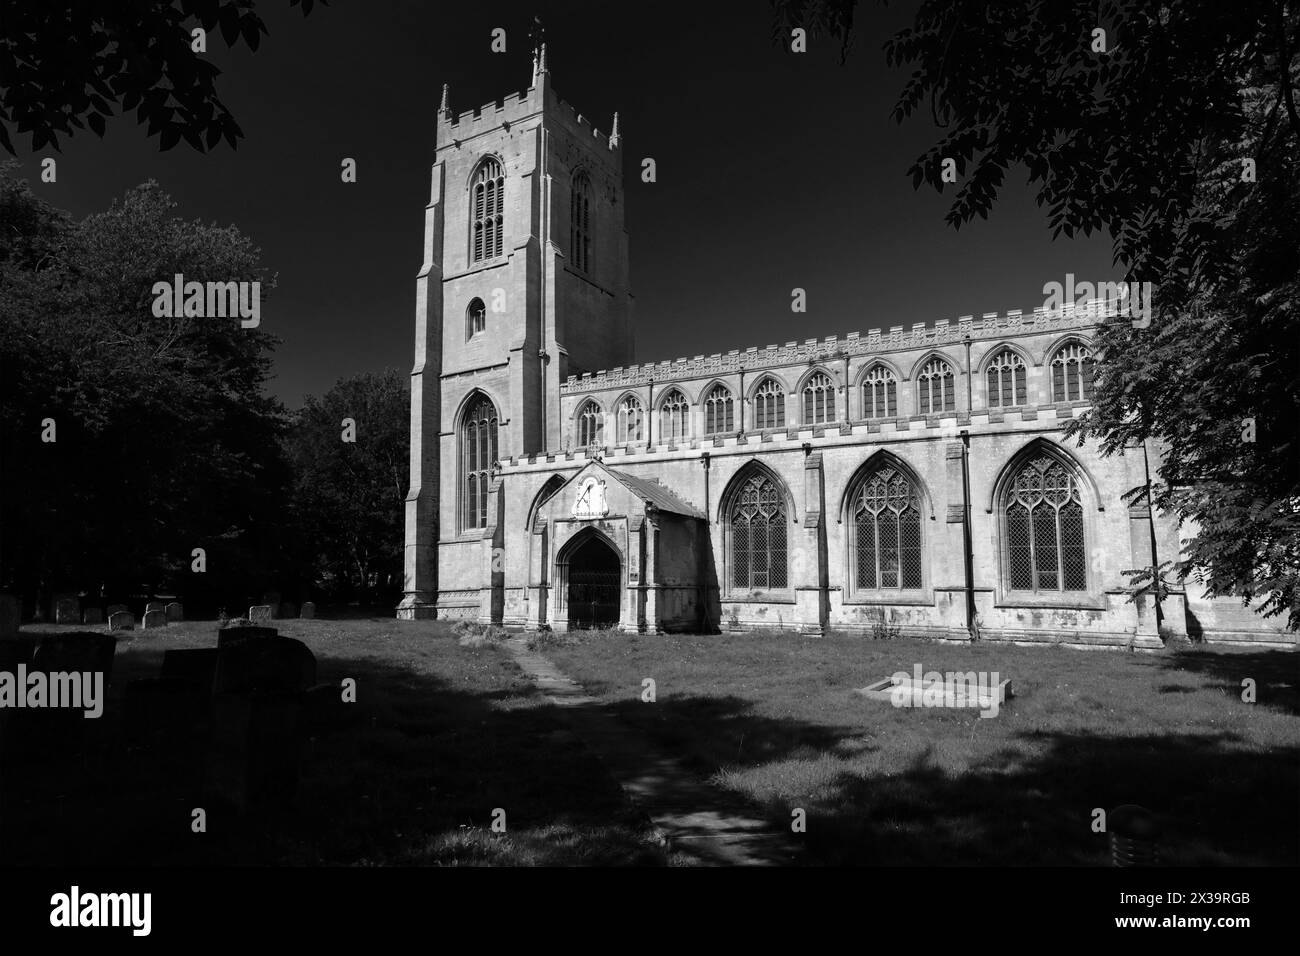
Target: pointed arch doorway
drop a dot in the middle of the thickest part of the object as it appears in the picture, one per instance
(591, 575)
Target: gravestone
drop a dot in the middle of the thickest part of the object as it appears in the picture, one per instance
(308, 610)
(288, 611)
(77, 651)
(175, 611)
(272, 600)
(166, 708)
(67, 609)
(114, 609)
(256, 748)
(269, 665)
(92, 615)
(194, 664)
(154, 618)
(230, 636)
(259, 612)
(121, 621)
(10, 617)
(155, 606)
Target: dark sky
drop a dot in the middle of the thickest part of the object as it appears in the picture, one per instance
(775, 171)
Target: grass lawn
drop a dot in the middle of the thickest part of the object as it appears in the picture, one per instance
(440, 736)
(774, 720)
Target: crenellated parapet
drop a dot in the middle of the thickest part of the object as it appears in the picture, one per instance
(991, 325)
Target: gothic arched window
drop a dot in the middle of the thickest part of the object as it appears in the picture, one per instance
(935, 390)
(818, 399)
(769, 405)
(1044, 529)
(1006, 378)
(879, 393)
(580, 222)
(1072, 371)
(591, 425)
(478, 454)
(488, 194)
(886, 531)
(719, 411)
(673, 411)
(631, 421)
(475, 318)
(757, 523)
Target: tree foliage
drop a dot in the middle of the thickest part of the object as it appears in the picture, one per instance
(71, 66)
(165, 441)
(1151, 140)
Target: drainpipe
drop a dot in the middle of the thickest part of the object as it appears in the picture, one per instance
(972, 626)
(1151, 524)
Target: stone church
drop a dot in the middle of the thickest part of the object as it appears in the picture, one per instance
(906, 481)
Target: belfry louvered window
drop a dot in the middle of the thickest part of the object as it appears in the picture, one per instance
(758, 536)
(489, 211)
(935, 390)
(769, 405)
(818, 399)
(1072, 372)
(887, 532)
(719, 411)
(673, 412)
(1006, 379)
(591, 425)
(478, 453)
(580, 222)
(631, 421)
(879, 393)
(1044, 529)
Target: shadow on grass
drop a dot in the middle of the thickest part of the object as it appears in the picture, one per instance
(414, 779)
(1221, 802)
(1276, 674)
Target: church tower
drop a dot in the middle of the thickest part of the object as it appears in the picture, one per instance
(524, 282)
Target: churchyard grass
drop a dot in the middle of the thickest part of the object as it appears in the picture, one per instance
(773, 719)
(441, 735)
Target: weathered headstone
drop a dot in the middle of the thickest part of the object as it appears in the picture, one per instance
(121, 621)
(77, 651)
(155, 618)
(308, 610)
(274, 665)
(195, 664)
(67, 609)
(260, 612)
(92, 615)
(229, 636)
(175, 611)
(114, 609)
(288, 611)
(155, 606)
(164, 707)
(256, 748)
(10, 616)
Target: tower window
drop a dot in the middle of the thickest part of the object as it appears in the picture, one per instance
(475, 318)
(818, 399)
(489, 211)
(580, 222)
(478, 455)
(719, 411)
